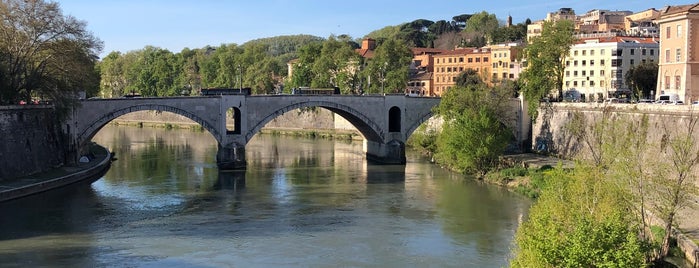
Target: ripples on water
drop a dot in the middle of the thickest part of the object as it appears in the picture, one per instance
(299, 203)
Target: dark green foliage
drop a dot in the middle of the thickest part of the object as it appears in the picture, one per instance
(642, 79)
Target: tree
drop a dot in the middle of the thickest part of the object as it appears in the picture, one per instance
(389, 67)
(474, 134)
(468, 77)
(675, 186)
(44, 53)
(580, 220)
(546, 56)
(335, 65)
(483, 23)
(642, 79)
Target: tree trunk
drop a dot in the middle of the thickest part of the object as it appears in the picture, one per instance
(665, 248)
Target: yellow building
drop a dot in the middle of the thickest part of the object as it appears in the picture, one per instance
(535, 28)
(506, 63)
(678, 71)
(448, 66)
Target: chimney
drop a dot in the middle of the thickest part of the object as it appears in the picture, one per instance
(368, 44)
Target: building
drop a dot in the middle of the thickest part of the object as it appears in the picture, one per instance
(596, 67)
(448, 66)
(642, 23)
(678, 71)
(601, 21)
(506, 61)
(535, 28)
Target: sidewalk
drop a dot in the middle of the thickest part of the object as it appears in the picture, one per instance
(45, 181)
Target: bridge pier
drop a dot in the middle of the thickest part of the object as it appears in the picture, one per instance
(391, 153)
(231, 157)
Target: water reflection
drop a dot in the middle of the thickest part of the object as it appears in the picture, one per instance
(299, 203)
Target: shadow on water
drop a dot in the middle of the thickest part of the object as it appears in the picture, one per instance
(377, 174)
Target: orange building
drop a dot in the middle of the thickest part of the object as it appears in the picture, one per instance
(448, 66)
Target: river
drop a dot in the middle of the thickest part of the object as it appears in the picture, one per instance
(300, 203)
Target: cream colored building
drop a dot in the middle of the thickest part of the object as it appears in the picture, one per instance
(678, 71)
(535, 28)
(596, 66)
(642, 23)
(599, 21)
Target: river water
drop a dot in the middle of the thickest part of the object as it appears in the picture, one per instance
(300, 203)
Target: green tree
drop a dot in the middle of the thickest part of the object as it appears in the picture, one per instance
(44, 53)
(303, 68)
(675, 186)
(642, 79)
(389, 67)
(474, 134)
(580, 220)
(546, 56)
(483, 24)
(468, 77)
(335, 65)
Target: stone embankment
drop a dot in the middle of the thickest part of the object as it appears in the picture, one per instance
(59, 177)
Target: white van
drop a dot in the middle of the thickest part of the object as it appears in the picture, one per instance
(668, 98)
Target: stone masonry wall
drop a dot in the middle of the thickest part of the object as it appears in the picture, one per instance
(549, 133)
(31, 140)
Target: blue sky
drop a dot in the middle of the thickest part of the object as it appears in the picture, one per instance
(127, 25)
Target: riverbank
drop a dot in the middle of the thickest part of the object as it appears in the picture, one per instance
(79, 173)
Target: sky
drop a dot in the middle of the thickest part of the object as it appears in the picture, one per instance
(127, 25)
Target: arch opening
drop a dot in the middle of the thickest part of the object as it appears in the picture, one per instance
(394, 119)
(233, 121)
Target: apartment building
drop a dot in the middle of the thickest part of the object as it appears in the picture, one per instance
(506, 61)
(678, 71)
(596, 67)
(535, 28)
(600, 21)
(448, 66)
(642, 23)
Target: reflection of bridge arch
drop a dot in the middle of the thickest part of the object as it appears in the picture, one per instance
(92, 128)
(370, 129)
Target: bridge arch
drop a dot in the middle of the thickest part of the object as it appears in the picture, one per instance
(93, 127)
(370, 129)
(409, 131)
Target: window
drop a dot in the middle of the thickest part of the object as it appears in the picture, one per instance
(643, 52)
(592, 83)
(618, 74)
(592, 73)
(584, 63)
(667, 32)
(575, 73)
(667, 82)
(461, 69)
(667, 55)
(575, 52)
(643, 61)
(567, 73)
(461, 59)
(601, 83)
(617, 62)
(575, 63)
(652, 51)
(485, 59)
(583, 52)
(470, 60)
(601, 62)
(601, 73)
(567, 83)
(575, 83)
(478, 59)
(678, 54)
(582, 83)
(583, 73)
(567, 63)
(632, 62)
(679, 31)
(677, 82)
(512, 76)
(601, 52)
(592, 62)
(632, 51)
(504, 75)
(618, 52)
(592, 52)
(449, 69)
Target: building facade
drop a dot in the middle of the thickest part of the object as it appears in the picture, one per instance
(506, 61)
(678, 71)
(596, 67)
(448, 66)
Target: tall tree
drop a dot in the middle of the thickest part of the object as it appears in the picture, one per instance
(389, 67)
(642, 79)
(335, 65)
(44, 53)
(546, 56)
(484, 24)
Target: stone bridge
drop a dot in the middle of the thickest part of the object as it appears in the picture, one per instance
(386, 122)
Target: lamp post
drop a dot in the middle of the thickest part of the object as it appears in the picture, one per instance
(240, 77)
